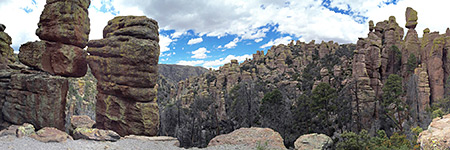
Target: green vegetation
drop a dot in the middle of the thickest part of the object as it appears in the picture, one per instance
(362, 141)
(411, 64)
(394, 107)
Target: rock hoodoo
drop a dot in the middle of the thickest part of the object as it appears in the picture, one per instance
(125, 65)
(64, 30)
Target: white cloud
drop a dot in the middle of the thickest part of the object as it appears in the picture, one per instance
(258, 40)
(281, 40)
(164, 42)
(20, 25)
(195, 41)
(190, 63)
(219, 62)
(232, 44)
(200, 53)
(177, 34)
(220, 46)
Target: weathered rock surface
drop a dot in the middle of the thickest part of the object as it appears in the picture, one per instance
(6, 51)
(437, 134)
(82, 121)
(64, 29)
(313, 141)
(54, 58)
(411, 18)
(65, 21)
(250, 137)
(95, 134)
(125, 65)
(35, 98)
(50, 134)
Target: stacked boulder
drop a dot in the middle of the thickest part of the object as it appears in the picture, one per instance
(64, 31)
(125, 65)
(37, 95)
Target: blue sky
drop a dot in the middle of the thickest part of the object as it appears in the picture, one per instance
(211, 33)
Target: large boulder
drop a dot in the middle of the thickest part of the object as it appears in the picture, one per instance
(95, 134)
(411, 18)
(250, 137)
(54, 58)
(437, 134)
(65, 21)
(313, 141)
(50, 134)
(125, 65)
(38, 99)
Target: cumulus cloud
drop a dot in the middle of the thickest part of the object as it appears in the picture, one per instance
(307, 19)
(195, 41)
(20, 24)
(219, 62)
(281, 40)
(258, 40)
(190, 63)
(232, 44)
(164, 42)
(200, 53)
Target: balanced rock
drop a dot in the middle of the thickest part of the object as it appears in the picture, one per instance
(125, 65)
(38, 99)
(50, 134)
(65, 21)
(64, 29)
(95, 134)
(250, 137)
(313, 141)
(411, 18)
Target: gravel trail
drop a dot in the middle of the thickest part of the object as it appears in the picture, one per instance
(26, 143)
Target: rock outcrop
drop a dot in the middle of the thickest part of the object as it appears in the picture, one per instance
(36, 98)
(6, 52)
(64, 30)
(125, 65)
(437, 134)
(251, 137)
(313, 141)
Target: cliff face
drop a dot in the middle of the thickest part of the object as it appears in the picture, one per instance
(176, 73)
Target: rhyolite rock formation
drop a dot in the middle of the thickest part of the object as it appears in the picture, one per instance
(125, 65)
(64, 30)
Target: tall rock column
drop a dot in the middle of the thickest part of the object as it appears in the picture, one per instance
(64, 30)
(125, 65)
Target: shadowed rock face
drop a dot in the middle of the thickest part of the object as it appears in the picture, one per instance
(125, 65)
(64, 31)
